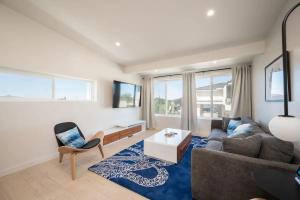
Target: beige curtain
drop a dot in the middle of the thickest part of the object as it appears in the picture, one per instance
(189, 105)
(241, 95)
(147, 102)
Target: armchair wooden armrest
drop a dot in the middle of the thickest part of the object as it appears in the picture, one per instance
(100, 135)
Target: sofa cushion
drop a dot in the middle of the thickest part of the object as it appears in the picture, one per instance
(248, 146)
(214, 145)
(262, 134)
(241, 135)
(233, 124)
(248, 120)
(256, 126)
(217, 134)
(226, 121)
(276, 150)
(258, 130)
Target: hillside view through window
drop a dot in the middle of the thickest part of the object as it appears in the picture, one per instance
(167, 96)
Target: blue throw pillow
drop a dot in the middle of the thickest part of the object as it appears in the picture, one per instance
(71, 138)
(246, 129)
(233, 124)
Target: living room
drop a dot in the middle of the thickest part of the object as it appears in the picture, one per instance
(165, 99)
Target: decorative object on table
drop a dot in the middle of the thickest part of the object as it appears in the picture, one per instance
(274, 80)
(150, 177)
(170, 134)
(285, 127)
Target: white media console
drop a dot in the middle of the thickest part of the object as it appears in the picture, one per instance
(122, 130)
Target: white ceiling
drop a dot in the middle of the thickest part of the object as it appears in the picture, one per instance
(216, 64)
(151, 30)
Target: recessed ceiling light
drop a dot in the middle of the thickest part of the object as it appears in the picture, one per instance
(117, 44)
(210, 13)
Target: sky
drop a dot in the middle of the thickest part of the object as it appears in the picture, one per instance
(174, 88)
(25, 86)
(74, 89)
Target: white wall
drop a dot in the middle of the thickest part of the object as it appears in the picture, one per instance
(26, 128)
(265, 111)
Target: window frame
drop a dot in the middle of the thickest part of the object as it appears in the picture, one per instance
(211, 75)
(165, 80)
(52, 78)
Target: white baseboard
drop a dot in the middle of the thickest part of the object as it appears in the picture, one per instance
(27, 164)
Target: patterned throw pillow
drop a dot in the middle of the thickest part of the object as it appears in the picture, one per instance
(233, 124)
(226, 120)
(71, 138)
(246, 129)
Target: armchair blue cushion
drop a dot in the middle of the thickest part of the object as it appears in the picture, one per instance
(71, 138)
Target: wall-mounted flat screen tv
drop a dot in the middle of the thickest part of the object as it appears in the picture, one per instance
(126, 95)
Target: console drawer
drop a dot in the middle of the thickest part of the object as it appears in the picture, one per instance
(121, 134)
(130, 131)
(111, 138)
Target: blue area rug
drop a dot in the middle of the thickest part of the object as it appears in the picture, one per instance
(151, 178)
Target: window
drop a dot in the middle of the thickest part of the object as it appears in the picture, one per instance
(32, 86)
(73, 89)
(167, 96)
(21, 85)
(213, 94)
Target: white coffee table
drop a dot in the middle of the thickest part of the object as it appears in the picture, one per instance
(166, 148)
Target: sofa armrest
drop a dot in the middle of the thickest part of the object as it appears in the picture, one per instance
(216, 124)
(217, 174)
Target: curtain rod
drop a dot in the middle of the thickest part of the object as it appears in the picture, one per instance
(212, 70)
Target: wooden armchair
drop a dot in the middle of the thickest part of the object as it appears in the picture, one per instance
(95, 141)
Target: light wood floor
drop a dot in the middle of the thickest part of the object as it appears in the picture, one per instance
(52, 180)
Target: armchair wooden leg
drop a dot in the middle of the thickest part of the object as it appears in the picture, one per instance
(101, 150)
(73, 165)
(61, 155)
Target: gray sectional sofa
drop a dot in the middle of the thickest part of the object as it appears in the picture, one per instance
(222, 175)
